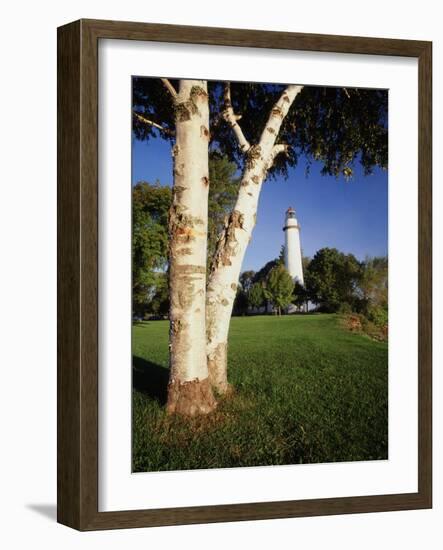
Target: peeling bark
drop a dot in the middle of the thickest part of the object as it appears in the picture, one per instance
(235, 237)
(189, 389)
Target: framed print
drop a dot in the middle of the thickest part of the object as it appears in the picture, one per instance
(244, 275)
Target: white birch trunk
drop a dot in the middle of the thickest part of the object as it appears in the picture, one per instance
(233, 242)
(189, 390)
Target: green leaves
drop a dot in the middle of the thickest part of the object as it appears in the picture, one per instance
(332, 278)
(150, 205)
(340, 127)
(256, 295)
(279, 287)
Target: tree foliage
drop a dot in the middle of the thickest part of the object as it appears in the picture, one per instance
(373, 284)
(159, 299)
(256, 296)
(240, 302)
(261, 274)
(373, 290)
(247, 279)
(334, 126)
(150, 205)
(151, 102)
(279, 287)
(332, 279)
(300, 296)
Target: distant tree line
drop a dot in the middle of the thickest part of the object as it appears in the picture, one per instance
(334, 282)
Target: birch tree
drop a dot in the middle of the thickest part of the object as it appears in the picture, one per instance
(189, 389)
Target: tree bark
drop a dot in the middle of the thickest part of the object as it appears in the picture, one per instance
(189, 390)
(234, 239)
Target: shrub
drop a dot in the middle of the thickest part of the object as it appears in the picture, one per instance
(345, 308)
(378, 315)
(356, 322)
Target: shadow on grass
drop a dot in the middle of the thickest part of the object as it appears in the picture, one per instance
(150, 378)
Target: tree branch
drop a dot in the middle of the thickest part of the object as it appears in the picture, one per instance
(152, 123)
(279, 148)
(170, 88)
(231, 118)
(279, 111)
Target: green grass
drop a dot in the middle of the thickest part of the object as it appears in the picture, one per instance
(306, 391)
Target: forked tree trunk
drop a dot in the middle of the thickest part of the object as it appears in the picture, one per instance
(189, 390)
(233, 241)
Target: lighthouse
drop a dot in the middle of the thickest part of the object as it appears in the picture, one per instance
(293, 257)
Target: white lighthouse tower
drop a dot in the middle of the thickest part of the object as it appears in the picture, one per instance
(293, 257)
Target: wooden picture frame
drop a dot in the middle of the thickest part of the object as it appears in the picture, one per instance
(77, 480)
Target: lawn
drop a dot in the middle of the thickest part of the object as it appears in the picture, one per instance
(306, 391)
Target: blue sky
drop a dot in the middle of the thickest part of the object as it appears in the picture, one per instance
(351, 216)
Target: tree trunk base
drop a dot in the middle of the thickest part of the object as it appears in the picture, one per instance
(190, 398)
(218, 370)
